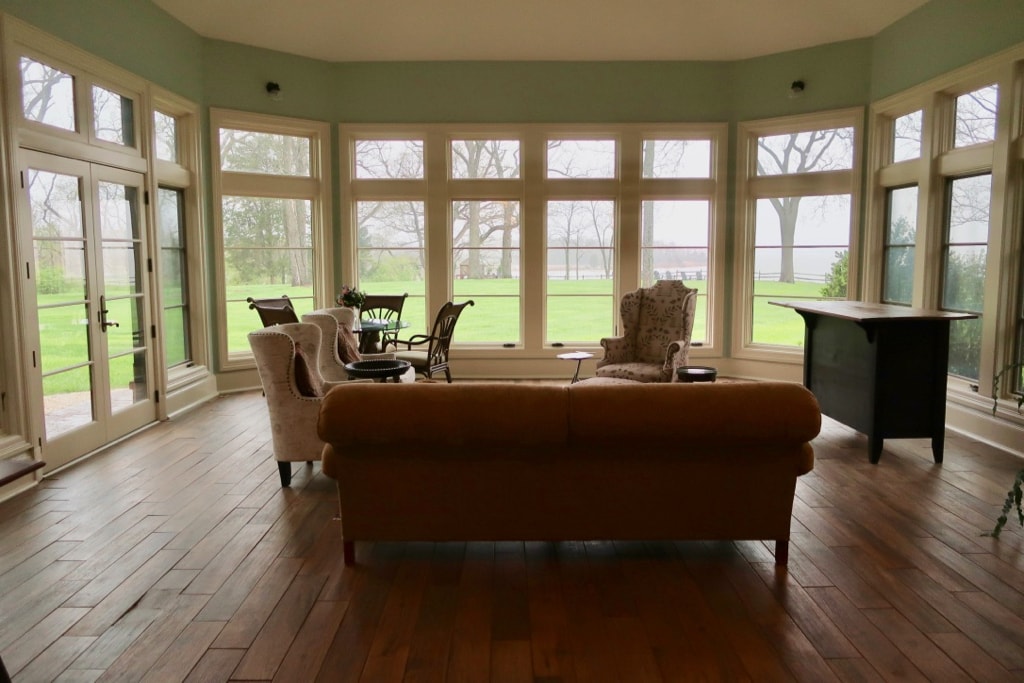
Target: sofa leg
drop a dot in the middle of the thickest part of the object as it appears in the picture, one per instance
(348, 551)
(781, 553)
(285, 470)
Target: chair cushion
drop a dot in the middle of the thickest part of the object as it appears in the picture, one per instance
(638, 372)
(306, 381)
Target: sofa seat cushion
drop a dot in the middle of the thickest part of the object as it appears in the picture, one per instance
(447, 415)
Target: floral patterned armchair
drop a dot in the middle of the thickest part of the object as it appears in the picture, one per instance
(657, 322)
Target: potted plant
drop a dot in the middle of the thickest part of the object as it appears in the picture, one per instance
(1016, 492)
(351, 297)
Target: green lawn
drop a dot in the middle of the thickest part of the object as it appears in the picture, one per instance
(578, 311)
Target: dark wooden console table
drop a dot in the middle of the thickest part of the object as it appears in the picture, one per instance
(878, 368)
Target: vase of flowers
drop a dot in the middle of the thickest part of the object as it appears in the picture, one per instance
(353, 298)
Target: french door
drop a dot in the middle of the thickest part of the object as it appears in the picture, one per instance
(87, 303)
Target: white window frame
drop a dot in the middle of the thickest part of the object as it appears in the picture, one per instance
(532, 189)
(939, 162)
(184, 175)
(316, 188)
(750, 188)
(21, 39)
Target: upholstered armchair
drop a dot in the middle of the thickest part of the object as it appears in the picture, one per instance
(657, 322)
(286, 359)
(340, 345)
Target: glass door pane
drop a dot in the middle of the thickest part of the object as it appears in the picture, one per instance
(62, 300)
(123, 313)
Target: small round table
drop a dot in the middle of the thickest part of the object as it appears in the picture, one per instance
(696, 373)
(579, 357)
(379, 369)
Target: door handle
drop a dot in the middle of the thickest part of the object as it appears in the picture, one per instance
(104, 323)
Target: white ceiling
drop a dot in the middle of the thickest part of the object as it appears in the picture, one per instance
(587, 30)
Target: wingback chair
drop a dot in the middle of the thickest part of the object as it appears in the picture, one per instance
(339, 343)
(286, 359)
(432, 353)
(657, 322)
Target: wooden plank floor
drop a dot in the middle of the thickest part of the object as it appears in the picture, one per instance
(177, 556)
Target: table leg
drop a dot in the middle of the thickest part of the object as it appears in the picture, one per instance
(938, 443)
(576, 375)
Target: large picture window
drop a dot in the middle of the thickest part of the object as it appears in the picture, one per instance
(544, 227)
(800, 198)
(271, 209)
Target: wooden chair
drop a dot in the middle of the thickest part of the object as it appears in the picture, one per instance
(433, 358)
(384, 307)
(274, 311)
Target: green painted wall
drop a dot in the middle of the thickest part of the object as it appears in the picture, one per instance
(138, 36)
(133, 34)
(236, 77)
(940, 37)
(835, 77)
(533, 91)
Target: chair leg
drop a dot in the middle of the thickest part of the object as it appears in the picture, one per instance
(285, 470)
(348, 552)
(448, 374)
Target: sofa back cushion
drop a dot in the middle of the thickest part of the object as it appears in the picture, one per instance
(444, 415)
(679, 414)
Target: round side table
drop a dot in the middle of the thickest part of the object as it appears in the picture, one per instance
(696, 373)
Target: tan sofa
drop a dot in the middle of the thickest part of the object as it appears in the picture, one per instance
(514, 461)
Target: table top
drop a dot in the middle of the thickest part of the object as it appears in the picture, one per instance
(862, 311)
(376, 368)
(575, 355)
(381, 325)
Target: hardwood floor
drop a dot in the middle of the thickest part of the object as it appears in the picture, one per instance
(177, 556)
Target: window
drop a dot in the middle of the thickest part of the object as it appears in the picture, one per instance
(675, 246)
(800, 208)
(180, 254)
(976, 117)
(906, 137)
(174, 276)
(271, 209)
(954, 221)
(165, 128)
(581, 159)
(900, 241)
(965, 253)
(113, 117)
(77, 105)
(485, 257)
(543, 226)
(391, 238)
(47, 95)
(581, 270)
